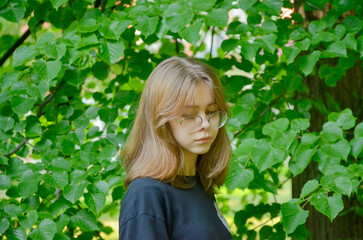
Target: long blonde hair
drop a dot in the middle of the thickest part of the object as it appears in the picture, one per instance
(151, 150)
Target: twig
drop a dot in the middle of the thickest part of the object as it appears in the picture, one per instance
(211, 44)
(16, 45)
(316, 7)
(32, 146)
(261, 115)
(17, 147)
(49, 99)
(103, 5)
(177, 46)
(200, 45)
(264, 223)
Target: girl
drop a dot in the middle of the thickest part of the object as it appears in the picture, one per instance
(176, 154)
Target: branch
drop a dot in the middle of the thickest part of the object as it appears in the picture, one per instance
(211, 45)
(103, 5)
(261, 115)
(316, 7)
(177, 46)
(16, 45)
(17, 147)
(49, 99)
(200, 45)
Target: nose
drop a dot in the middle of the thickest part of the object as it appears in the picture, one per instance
(204, 122)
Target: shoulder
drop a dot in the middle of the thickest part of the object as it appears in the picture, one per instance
(145, 196)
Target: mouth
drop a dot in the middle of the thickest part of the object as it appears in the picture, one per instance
(203, 140)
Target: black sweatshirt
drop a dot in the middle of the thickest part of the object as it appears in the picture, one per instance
(155, 210)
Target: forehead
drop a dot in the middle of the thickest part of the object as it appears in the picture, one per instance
(201, 96)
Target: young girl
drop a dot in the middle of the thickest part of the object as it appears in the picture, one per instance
(176, 154)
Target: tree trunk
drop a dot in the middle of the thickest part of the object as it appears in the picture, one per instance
(347, 93)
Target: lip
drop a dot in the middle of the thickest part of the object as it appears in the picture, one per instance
(203, 140)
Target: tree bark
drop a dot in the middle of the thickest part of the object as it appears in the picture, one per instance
(348, 94)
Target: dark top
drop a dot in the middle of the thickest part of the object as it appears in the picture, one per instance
(155, 210)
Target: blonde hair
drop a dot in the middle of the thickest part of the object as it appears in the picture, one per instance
(151, 150)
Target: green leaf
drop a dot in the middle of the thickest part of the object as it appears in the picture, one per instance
(308, 188)
(88, 41)
(284, 140)
(112, 29)
(336, 49)
(217, 17)
(89, 22)
(177, 17)
(344, 184)
(47, 70)
(4, 225)
(13, 210)
(353, 24)
(61, 178)
(191, 33)
(239, 178)
(360, 45)
(229, 45)
(269, 26)
(26, 189)
(329, 206)
(345, 118)
(22, 104)
(22, 54)
(17, 233)
(265, 156)
(28, 221)
(147, 25)
(358, 131)
(273, 6)
(15, 12)
(73, 192)
(249, 50)
(47, 229)
(300, 124)
(85, 220)
(357, 146)
(342, 148)
(202, 5)
(292, 216)
(33, 128)
(95, 202)
(275, 127)
(55, 51)
(301, 159)
(246, 4)
(316, 27)
(332, 132)
(350, 41)
(57, 3)
(111, 52)
(307, 62)
(5, 182)
(269, 41)
(290, 53)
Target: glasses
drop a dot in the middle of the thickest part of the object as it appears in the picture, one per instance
(192, 122)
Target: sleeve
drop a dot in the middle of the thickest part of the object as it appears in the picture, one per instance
(143, 227)
(142, 213)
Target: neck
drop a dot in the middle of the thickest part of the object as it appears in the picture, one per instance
(190, 164)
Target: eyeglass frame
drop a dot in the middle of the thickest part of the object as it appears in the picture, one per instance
(207, 118)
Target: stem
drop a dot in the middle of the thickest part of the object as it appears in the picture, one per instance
(262, 224)
(32, 146)
(103, 5)
(261, 115)
(17, 147)
(211, 44)
(49, 99)
(177, 46)
(16, 45)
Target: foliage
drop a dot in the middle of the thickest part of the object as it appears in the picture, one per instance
(69, 94)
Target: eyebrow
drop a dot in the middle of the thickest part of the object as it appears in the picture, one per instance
(194, 106)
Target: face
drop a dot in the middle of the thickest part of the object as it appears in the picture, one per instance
(200, 140)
